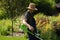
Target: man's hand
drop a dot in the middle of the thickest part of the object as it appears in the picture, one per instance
(28, 26)
(31, 28)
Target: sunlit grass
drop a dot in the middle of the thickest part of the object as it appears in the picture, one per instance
(13, 38)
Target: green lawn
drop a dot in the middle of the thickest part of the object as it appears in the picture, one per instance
(12, 38)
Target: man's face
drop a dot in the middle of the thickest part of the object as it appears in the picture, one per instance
(32, 7)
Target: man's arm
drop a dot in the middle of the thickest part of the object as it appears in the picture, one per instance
(28, 26)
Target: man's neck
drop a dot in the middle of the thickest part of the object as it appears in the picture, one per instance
(30, 11)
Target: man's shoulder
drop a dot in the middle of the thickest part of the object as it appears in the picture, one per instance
(27, 12)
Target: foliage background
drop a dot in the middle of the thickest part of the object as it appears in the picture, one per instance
(12, 10)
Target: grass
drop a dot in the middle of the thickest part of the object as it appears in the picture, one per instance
(12, 38)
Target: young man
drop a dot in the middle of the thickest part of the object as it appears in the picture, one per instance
(29, 21)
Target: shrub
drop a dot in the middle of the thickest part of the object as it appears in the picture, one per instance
(2, 13)
(5, 26)
(47, 30)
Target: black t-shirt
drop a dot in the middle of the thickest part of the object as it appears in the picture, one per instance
(30, 19)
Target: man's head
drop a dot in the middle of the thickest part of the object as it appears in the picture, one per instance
(32, 6)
